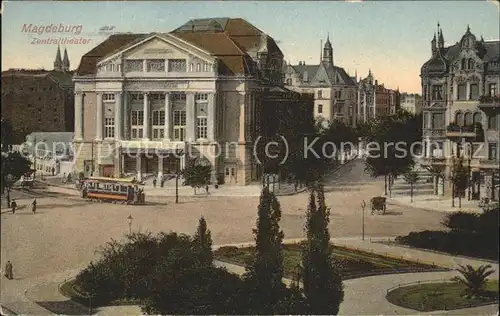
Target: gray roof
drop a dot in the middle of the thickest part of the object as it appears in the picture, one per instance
(204, 25)
(330, 75)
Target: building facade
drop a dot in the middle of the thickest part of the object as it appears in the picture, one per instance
(461, 112)
(39, 100)
(147, 102)
(374, 100)
(411, 102)
(333, 89)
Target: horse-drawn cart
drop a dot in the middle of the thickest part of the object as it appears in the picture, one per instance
(378, 203)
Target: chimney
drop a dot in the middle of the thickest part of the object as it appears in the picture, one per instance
(304, 62)
(376, 82)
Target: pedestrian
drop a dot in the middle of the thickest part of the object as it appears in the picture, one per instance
(33, 206)
(154, 182)
(8, 271)
(296, 185)
(53, 171)
(64, 178)
(13, 205)
(162, 181)
(206, 189)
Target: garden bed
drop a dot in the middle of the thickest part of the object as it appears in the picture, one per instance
(352, 263)
(440, 296)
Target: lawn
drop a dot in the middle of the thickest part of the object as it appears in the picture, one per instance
(440, 296)
(351, 263)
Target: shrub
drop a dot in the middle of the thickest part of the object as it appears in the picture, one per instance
(461, 221)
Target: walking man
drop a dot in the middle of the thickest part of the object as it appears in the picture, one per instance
(33, 206)
(8, 271)
(206, 189)
(154, 182)
(53, 171)
(13, 206)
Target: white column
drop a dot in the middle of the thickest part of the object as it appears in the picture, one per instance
(211, 117)
(99, 122)
(118, 116)
(429, 148)
(160, 167)
(126, 117)
(138, 167)
(145, 122)
(190, 117)
(78, 116)
(467, 94)
(168, 118)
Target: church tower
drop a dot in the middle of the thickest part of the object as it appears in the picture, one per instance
(58, 64)
(433, 45)
(65, 62)
(441, 38)
(327, 58)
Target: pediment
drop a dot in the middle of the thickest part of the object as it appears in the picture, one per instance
(160, 47)
(321, 76)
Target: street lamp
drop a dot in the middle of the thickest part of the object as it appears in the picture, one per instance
(469, 178)
(9, 179)
(363, 206)
(130, 218)
(179, 153)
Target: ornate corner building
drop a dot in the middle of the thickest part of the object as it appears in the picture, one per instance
(38, 100)
(145, 103)
(461, 110)
(334, 90)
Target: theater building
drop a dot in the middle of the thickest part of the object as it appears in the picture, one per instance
(145, 103)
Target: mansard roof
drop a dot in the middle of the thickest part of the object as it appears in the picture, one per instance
(230, 40)
(440, 62)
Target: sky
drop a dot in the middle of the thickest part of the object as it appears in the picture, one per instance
(392, 38)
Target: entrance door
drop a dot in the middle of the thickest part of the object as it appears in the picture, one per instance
(230, 175)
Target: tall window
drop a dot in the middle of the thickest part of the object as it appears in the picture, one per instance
(492, 151)
(155, 65)
(198, 67)
(492, 122)
(464, 64)
(177, 65)
(202, 131)
(201, 100)
(136, 124)
(474, 91)
(179, 125)
(320, 108)
(109, 128)
(477, 118)
(134, 65)
(158, 118)
(320, 94)
(462, 92)
(468, 119)
(493, 89)
(459, 118)
(470, 63)
(437, 93)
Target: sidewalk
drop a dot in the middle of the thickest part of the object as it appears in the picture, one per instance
(434, 203)
(252, 190)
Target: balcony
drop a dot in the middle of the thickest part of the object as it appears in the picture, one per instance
(489, 163)
(489, 103)
(473, 132)
(434, 132)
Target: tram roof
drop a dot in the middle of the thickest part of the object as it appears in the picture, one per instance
(105, 179)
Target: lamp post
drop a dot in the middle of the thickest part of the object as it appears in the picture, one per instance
(363, 206)
(130, 218)
(452, 181)
(9, 179)
(180, 153)
(469, 178)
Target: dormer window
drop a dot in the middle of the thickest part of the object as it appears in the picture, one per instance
(320, 94)
(471, 63)
(464, 64)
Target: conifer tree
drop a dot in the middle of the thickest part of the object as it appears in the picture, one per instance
(323, 287)
(203, 243)
(264, 275)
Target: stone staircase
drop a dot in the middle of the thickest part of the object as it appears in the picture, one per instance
(424, 185)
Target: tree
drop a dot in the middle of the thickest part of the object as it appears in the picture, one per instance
(474, 279)
(15, 165)
(459, 178)
(411, 177)
(203, 243)
(196, 175)
(7, 135)
(323, 288)
(265, 273)
(437, 172)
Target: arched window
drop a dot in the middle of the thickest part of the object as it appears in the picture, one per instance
(478, 118)
(464, 63)
(468, 118)
(471, 64)
(459, 118)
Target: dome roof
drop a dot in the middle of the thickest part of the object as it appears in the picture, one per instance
(436, 65)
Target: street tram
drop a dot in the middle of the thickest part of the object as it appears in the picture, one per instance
(28, 179)
(115, 190)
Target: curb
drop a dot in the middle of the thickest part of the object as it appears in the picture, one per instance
(396, 202)
(395, 244)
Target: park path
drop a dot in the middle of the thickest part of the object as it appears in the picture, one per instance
(362, 296)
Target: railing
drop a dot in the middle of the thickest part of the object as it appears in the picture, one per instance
(418, 283)
(487, 99)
